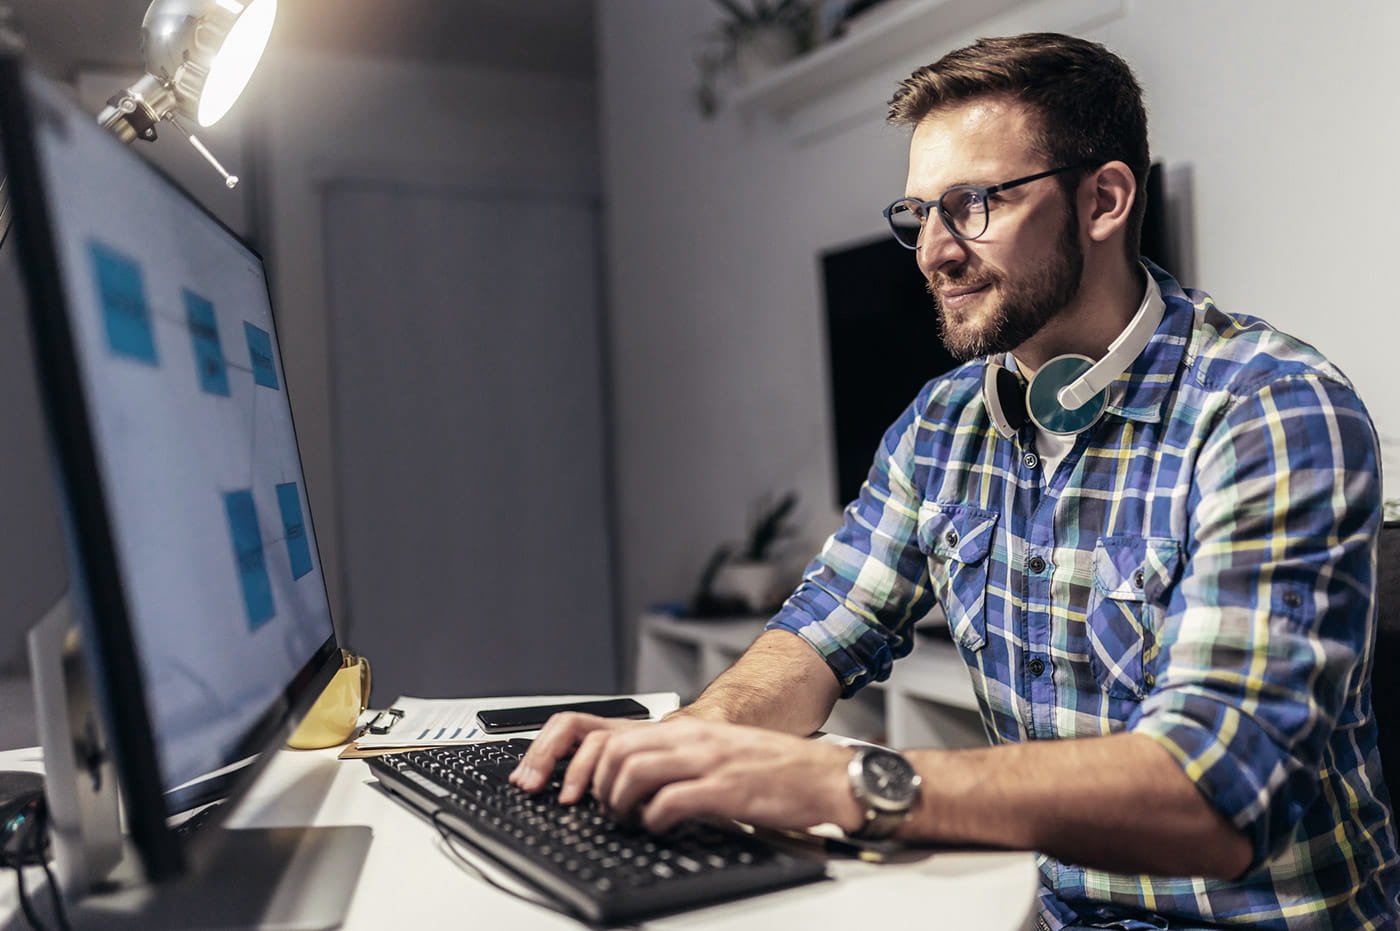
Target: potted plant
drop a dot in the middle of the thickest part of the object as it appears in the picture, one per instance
(751, 579)
(753, 37)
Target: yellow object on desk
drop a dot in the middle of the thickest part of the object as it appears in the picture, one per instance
(337, 711)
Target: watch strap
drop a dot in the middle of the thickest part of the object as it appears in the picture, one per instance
(880, 824)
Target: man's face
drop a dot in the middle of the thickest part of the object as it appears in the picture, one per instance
(999, 291)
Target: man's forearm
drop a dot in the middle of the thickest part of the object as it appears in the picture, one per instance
(1117, 803)
(780, 682)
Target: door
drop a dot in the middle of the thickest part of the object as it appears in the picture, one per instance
(470, 440)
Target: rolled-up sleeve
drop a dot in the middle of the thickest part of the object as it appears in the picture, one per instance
(1261, 643)
(862, 593)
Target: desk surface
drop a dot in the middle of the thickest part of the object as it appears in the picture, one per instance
(411, 881)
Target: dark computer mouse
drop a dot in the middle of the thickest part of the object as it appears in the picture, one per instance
(23, 838)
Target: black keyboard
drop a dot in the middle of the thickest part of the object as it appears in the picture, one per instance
(605, 871)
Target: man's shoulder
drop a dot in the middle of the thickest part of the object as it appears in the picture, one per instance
(1241, 354)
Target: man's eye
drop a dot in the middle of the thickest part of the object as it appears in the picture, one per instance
(960, 205)
(967, 200)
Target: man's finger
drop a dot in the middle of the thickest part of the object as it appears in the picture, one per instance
(643, 773)
(580, 771)
(556, 740)
(693, 798)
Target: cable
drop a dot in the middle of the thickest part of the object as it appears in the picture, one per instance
(561, 908)
(39, 843)
(58, 909)
(34, 852)
(29, 914)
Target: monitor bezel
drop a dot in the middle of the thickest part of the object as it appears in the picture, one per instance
(115, 673)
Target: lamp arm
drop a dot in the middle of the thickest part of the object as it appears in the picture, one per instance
(130, 115)
(133, 113)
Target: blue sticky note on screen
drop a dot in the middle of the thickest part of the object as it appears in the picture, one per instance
(260, 354)
(248, 553)
(298, 547)
(123, 299)
(208, 354)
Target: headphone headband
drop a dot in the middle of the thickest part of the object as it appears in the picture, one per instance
(1121, 352)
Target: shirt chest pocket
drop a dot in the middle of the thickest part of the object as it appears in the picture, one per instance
(956, 540)
(1131, 578)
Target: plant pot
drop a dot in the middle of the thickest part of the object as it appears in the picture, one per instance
(758, 585)
(761, 50)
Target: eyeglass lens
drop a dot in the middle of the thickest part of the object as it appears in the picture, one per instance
(963, 210)
(906, 220)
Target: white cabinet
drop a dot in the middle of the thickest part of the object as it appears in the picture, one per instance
(926, 702)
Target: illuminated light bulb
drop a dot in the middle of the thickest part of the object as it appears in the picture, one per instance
(233, 66)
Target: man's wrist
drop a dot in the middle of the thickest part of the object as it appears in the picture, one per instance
(885, 786)
(697, 712)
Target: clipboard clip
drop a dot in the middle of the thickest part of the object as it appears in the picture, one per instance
(379, 725)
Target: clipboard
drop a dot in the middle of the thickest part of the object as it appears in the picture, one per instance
(417, 723)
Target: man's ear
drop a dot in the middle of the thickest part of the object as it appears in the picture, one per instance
(1106, 197)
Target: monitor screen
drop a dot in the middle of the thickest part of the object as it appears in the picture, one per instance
(882, 345)
(197, 573)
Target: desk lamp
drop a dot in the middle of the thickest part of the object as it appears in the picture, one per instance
(199, 55)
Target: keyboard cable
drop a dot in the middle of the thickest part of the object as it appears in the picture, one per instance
(561, 908)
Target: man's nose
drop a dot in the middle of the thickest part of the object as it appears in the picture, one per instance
(938, 248)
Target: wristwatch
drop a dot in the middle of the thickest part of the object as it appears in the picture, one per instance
(886, 784)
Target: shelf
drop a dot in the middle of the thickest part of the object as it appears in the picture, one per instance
(926, 702)
(883, 37)
(728, 633)
(908, 27)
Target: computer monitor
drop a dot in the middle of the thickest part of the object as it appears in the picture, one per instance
(196, 586)
(882, 346)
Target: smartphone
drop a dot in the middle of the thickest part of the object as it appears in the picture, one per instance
(510, 720)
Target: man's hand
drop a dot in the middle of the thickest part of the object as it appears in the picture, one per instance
(583, 735)
(685, 768)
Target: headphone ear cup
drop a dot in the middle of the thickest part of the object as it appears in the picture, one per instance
(1043, 397)
(1011, 393)
(1004, 393)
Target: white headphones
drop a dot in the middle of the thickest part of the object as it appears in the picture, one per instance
(1068, 394)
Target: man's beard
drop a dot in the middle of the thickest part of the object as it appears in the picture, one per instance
(1024, 306)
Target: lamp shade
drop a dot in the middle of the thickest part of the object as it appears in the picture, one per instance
(205, 50)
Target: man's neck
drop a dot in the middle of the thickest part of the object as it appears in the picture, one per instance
(1108, 296)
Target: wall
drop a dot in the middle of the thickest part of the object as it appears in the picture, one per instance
(331, 119)
(1269, 108)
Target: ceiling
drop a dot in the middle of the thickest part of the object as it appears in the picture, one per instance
(548, 36)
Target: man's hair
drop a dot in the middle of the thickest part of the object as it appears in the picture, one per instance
(1088, 102)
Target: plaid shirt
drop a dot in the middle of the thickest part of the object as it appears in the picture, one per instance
(1200, 569)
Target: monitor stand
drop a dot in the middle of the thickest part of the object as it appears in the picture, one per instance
(293, 878)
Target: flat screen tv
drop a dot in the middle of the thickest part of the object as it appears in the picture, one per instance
(882, 346)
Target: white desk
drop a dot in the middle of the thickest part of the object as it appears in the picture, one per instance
(410, 882)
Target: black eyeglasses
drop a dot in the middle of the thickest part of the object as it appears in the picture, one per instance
(962, 208)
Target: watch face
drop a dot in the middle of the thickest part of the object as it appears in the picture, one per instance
(888, 780)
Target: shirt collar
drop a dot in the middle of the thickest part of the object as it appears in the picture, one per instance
(1142, 391)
